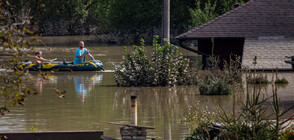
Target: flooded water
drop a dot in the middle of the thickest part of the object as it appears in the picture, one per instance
(93, 98)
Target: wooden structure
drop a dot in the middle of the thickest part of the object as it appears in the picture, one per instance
(132, 131)
(262, 28)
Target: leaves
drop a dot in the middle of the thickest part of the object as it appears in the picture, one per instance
(166, 67)
(15, 40)
(208, 10)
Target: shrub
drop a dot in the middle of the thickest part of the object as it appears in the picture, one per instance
(259, 79)
(217, 81)
(199, 120)
(281, 81)
(214, 83)
(166, 67)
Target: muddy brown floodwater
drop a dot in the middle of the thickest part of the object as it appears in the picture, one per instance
(93, 97)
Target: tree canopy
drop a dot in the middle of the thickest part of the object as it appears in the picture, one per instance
(123, 16)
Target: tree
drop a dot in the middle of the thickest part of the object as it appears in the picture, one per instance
(208, 10)
(201, 16)
(180, 17)
(14, 41)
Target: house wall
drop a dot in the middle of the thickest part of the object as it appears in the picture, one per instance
(223, 47)
(270, 53)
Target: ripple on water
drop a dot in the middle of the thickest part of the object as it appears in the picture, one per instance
(99, 54)
(108, 71)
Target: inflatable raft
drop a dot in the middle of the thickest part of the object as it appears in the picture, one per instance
(93, 65)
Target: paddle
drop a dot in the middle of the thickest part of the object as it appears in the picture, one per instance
(52, 60)
(91, 56)
(94, 59)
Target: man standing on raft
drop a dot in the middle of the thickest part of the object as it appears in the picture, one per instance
(80, 53)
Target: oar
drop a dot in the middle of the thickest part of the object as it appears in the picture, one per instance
(91, 56)
(94, 60)
(53, 59)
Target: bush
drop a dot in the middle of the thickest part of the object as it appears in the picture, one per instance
(214, 83)
(281, 81)
(259, 79)
(199, 120)
(166, 67)
(217, 81)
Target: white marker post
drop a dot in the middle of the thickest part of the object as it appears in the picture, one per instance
(134, 110)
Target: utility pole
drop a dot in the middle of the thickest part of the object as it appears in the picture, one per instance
(166, 20)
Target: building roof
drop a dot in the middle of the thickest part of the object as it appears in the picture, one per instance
(256, 18)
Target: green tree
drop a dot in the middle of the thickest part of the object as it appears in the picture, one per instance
(201, 16)
(208, 10)
(180, 17)
(98, 13)
(67, 13)
(133, 18)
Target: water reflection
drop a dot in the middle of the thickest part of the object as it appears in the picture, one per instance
(85, 83)
(158, 107)
(42, 79)
(164, 107)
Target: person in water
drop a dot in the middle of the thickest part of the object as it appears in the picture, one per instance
(80, 53)
(38, 58)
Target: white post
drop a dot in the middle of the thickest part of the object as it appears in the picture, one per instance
(166, 20)
(134, 110)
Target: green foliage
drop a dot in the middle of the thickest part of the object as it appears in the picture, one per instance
(199, 133)
(166, 67)
(252, 121)
(201, 16)
(68, 14)
(281, 81)
(33, 129)
(126, 20)
(214, 83)
(136, 14)
(199, 120)
(208, 10)
(45, 9)
(98, 13)
(263, 79)
(217, 81)
(15, 44)
(287, 135)
(180, 18)
(258, 79)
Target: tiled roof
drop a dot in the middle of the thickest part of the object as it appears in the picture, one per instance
(256, 18)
